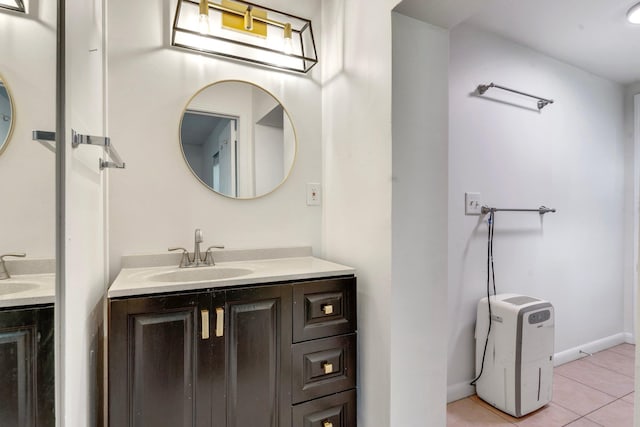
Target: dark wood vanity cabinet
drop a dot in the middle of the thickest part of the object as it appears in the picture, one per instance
(27, 367)
(324, 353)
(160, 368)
(257, 370)
(228, 357)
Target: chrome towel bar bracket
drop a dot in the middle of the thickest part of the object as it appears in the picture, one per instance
(541, 210)
(542, 102)
(102, 141)
(46, 138)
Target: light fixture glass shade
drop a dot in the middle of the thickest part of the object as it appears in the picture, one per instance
(275, 39)
(633, 15)
(17, 5)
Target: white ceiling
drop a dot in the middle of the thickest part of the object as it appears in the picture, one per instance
(591, 34)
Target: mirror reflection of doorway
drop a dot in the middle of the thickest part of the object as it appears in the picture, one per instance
(209, 142)
(216, 171)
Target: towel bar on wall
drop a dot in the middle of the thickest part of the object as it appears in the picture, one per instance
(103, 141)
(541, 210)
(542, 102)
(46, 138)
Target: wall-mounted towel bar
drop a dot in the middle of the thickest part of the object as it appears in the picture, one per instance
(542, 102)
(102, 141)
(46, 138)
(541, 210)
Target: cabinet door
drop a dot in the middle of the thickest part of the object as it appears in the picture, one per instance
(258, 344)
(160, 361)
(26, 367)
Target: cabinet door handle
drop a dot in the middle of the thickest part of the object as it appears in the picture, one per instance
(327, 309)
(219, 321)
(327, 424)
(327, 368)
(204, 314)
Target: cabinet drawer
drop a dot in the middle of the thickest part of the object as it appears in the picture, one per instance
(324, 308)
(323, 367)
(338, 410)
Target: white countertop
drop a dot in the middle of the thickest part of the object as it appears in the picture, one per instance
(27, 289)
(144, 281)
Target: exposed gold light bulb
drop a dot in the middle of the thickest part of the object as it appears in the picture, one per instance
(204, 17)
(248, 19)
(287, 34)
(287, 31)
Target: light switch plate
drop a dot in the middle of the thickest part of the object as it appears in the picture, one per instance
(314, 194)
(472, 204)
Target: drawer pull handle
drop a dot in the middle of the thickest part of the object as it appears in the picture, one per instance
(327, 424)
(327, 368)
(219, 321)
(204, 314)
(327, 309)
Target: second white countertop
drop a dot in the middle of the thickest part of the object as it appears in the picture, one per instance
(154, 280)
(27, 289)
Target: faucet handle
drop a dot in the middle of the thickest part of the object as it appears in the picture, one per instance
(16, 255)
(208, 258)
(184, 260)
(4, 273)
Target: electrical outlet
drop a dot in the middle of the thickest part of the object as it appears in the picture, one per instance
(472, 205)
(313, 194)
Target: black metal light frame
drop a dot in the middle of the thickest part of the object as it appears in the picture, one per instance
(307, 55)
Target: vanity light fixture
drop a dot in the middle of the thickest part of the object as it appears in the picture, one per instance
(633, 15)
(15, 5)
(245, 31)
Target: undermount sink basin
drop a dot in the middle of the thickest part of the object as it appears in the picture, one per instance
(200, 274)
(14, 287)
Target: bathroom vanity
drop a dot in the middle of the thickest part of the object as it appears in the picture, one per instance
(26, 350)
(26, 366)
(272, 343)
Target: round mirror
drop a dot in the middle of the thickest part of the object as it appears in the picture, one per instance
(6, 115)
(237, 139)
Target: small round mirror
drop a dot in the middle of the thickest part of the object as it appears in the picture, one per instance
(237, 139)
(7, 113)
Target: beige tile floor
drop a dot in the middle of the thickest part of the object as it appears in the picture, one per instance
(596, 391)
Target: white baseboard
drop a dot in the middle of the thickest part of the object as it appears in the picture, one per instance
(629, 338)
(461, 390)
(572, 354)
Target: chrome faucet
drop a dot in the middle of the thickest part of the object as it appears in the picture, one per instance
(4, 273)
(197, 260)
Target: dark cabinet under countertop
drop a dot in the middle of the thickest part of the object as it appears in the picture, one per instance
(267, 355)
(164, 368)
(27, 385)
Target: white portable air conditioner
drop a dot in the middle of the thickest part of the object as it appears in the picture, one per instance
(518, 366)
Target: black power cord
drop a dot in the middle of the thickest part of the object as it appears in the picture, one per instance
(491, 277)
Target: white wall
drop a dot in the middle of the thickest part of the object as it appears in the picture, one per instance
(356, 134)
(269, 157)
(155, 202)
(636, 138)
(631, 210)
(85, 279)
(27, 169)
(570, 156)
(419, 223)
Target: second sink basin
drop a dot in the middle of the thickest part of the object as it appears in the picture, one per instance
(14, 287)
(200, 274)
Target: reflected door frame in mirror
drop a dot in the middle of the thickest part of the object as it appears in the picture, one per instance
(14, 5)
(7, 114)
(247, 130)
